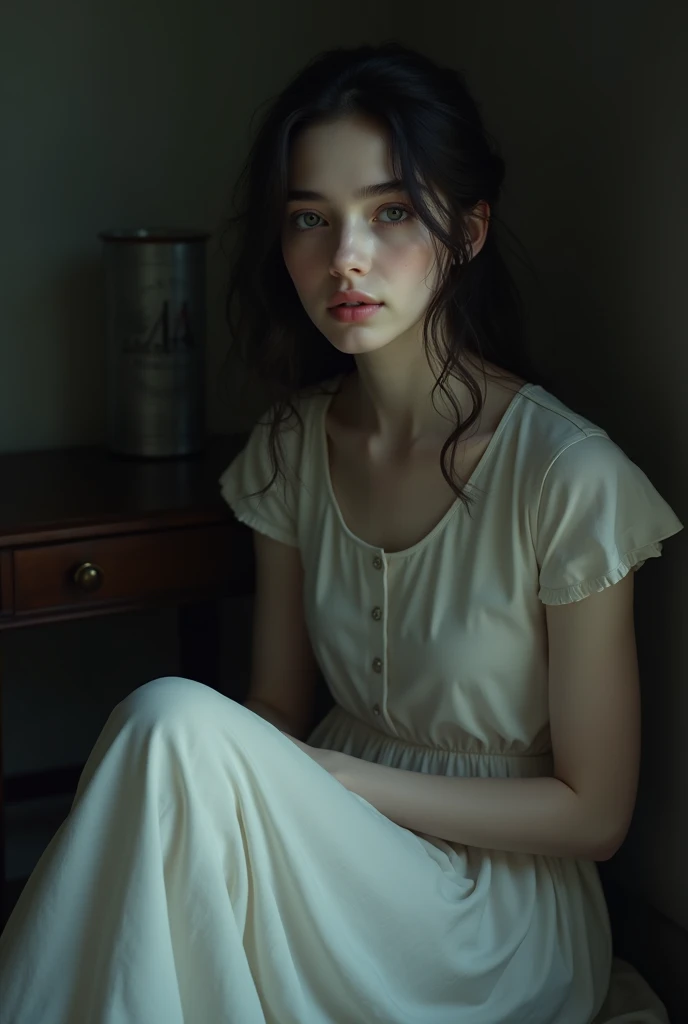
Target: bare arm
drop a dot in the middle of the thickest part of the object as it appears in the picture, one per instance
(283, 669)
(269, 714)
(585, 809)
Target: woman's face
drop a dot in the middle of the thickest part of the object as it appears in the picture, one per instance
(343, 240)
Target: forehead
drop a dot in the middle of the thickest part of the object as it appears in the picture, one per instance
(340, 155)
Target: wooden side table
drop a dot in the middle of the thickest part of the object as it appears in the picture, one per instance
(84, 532)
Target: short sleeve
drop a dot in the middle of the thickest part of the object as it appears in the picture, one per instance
(274, 512)
(598, 517)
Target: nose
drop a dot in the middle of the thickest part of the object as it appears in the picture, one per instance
(352, 254)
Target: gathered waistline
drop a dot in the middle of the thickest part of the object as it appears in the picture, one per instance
(339, 712)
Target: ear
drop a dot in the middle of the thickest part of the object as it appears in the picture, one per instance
(477, 223)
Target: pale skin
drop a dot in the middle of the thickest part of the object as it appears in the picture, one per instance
(384, 437)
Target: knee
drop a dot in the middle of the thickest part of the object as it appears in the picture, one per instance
(172, 712)
(169, 701)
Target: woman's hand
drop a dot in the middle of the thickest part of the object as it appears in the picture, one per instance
(331, 760)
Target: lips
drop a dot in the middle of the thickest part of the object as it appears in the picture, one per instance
(354, 314)
(346, 298)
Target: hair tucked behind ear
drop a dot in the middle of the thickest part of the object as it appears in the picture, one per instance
(439, 145)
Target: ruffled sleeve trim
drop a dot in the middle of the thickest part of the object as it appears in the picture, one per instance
(576, 592)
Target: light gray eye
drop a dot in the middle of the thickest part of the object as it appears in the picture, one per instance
(315, 215)
(395, 209)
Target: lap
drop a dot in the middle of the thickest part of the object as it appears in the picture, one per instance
(199, 823)
(333, 868)
(296, 792)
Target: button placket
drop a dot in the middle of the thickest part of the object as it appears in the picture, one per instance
(376, 613)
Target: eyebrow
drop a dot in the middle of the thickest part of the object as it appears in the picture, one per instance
(381, 189)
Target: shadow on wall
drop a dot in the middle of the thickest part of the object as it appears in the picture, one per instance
(67, 381)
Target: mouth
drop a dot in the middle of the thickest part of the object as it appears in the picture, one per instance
(354, 312)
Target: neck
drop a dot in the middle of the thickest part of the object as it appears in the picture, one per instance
(394, 399)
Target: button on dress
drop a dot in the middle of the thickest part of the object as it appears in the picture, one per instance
(210, 871)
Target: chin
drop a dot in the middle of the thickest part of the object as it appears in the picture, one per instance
(352, 344)
(356, 339)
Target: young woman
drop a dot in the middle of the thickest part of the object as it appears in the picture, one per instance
(455, 549)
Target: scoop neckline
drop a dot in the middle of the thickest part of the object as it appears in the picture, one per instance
(453, 508)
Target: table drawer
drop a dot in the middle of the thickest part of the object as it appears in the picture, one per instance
(132, 567)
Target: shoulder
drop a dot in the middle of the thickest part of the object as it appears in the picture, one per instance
(263, 483)
(549, 428)
(307, 403)
(569, 462)
(568, 451)
(293, 420)
(594, 512)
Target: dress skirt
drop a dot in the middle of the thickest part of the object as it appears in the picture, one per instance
(210, 872)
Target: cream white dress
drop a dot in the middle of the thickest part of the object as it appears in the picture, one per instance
(210, 872)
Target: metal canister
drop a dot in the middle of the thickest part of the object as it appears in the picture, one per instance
(155, 294)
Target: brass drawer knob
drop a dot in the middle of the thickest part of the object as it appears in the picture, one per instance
(89, 576)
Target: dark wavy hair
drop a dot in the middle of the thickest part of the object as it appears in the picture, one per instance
(438, 145)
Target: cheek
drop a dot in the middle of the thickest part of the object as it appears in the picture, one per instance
(410, 265)
(303, 264)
